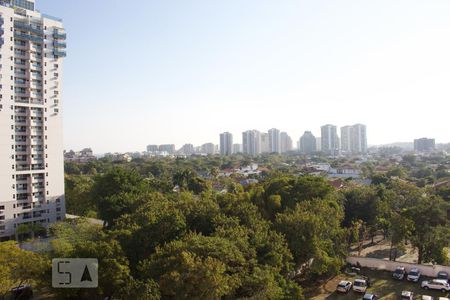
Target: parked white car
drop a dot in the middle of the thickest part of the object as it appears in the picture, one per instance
(344, 286)
(414, 275)
(360, 285)
(436, 284)
(426, 297)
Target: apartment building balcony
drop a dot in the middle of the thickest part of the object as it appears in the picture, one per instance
(23, 196)
(28, 28)
(28, 37)
(36, 123)
(36, 85)
(59, 35)
(59, 53)
(21, 54)
(35, 67)
(21, 83)
(20, 63)
(21, 45)
(21, 121)
(21, 74)
(35, 95)
(22, 132)
(36, 75)
(35, 167)
(22, 179)
(23, 167)
(36, 150)
(36, 47)
(22, 190)
(21, 113)
(37, 101)
(36, 131)
(34, 56)
(58, 44)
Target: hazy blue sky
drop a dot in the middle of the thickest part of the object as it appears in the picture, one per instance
(153, 72)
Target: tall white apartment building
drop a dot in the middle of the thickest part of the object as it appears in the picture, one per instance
(265, 146)
(329, 140)
(31, 145)
(251, 142)
(274, 140)
(359, 139)
(285, 142)
(226, 143)
(346, 134)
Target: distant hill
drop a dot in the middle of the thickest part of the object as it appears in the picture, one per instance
(403, 145)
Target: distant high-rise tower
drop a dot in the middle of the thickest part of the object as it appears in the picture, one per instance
(274, 141)
(318, 143)
(251, 142)
(285, 142)
(32, 49)
(208, 148)
(226, 143)
(307, 143)
(237, 148)
(169, 148)
(265, 146)
(346, 135)
(330, 140)
(358, 140)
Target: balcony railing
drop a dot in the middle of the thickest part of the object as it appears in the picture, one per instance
(29, 37)
(59, 44)
(28, 27)
(57, 35)
(59, 53)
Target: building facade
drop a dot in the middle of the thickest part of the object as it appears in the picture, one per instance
(237, 148)
(285, 142)
(208, 148)
(358, 139)
(346, 135)
(168, 148)
(274, 141)
(307, 143)
(265, 145)
(31, 148)
(251, 142)
(226, 143)
(152, 148)
(330, 140)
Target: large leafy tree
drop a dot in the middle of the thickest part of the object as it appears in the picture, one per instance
(20, 267)
(116, 193)
(315, 236)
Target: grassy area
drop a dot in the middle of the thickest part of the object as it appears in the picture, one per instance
(383, 285)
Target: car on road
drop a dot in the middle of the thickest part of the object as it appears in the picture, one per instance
(344, 286)
(442, 275)
(360, 285)
(407, 295)
(436, 284)
(414, 275)
(369, 296)
(399, 273)
(426, 297)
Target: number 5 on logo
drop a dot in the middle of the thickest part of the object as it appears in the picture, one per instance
(75, 273)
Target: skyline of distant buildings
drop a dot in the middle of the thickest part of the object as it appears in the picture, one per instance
(351, 141)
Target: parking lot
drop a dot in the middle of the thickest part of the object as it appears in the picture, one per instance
(382, 284)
